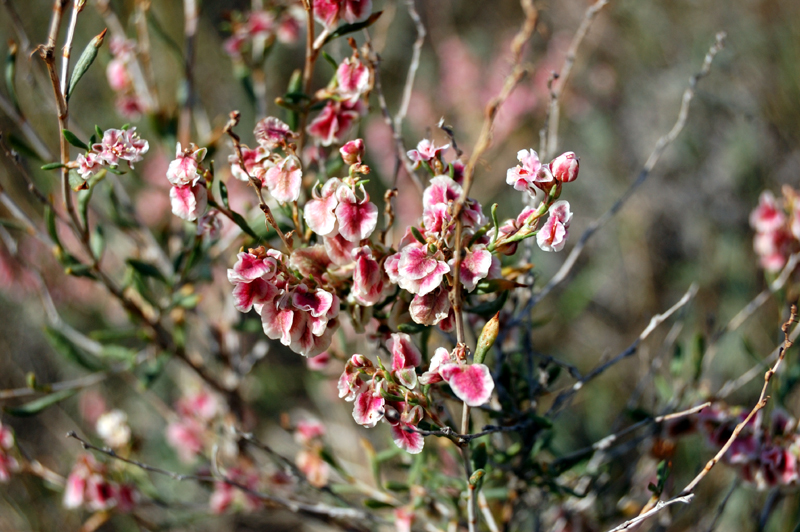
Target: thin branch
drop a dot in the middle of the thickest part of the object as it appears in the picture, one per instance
(687, 494)
(190, 14)
(547, 150)
(77, 7)
(412, 67)
(655, 321)
(655, 155)
(28, 131)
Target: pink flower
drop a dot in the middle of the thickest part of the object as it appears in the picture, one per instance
(352, 77)
(113, 147)
(226, 496)
(188, 202)
(403, 519)
(773, 249)
(186, 437)
(313, 467)
(370, 283)
(419, 271)
(474, 267)
(339, 250)
(404, 353)
(357, 219)
(565, 167)
(319, 211)
(129, 106)
(426, 151)
(272, 132)
(355, 10)
(308, 430)
(117, 74)
(530, 174)
(332, 123)
(509, 228)
(6, 438)
(319, 362)
(441, 357)
(284, 179)
(182, 170)
(210, 224)
(289, 26)
(74, 489)
(99, 493)
(437, 204)
(326, 12)
(89, 164)
(256, 162)
(368, 408)
(553, 235)
(251, 266)
(768, 216)
(431, 308)
(350, 384)
(407, 439)
(473, 383)
(202, 405)
(352, 152)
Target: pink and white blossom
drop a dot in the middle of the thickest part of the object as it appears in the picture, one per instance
(768, 216)
(333, 122)
(188, 201)
(564, 168)
(472, 383)
(319, 211)
(553, 234)
(284, 179)
(357, 218)
(272, 132)
(352, 152)
(256, 163)
(352, 77)
(530, 174)
(368, 408)
(425, 152)
(370, 283)
(183, 169)
(419, 270)
(474, 266)
(431, 308)
(89, 164)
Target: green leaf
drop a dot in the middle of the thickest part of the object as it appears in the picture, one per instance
(52, 166)
(393, 485)
(415, 231)
(65, 347)
(147, 270)
(97, 242)
(490, 308)
(22, 147)
(410, 328)
(239, 220)
(10, 72)
(73, 139)
(12, 224)
(86, 59)
(331, 61)
(223, 194)
(479, 456)
(84, 197)
(345, 29)
(50, 222)
(34, 407)
(98, 132)
(375, 504)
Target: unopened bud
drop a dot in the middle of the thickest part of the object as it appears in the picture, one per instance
(487, 338)
(352, 152)
(565, 167)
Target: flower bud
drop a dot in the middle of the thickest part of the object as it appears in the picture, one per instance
(352, 152)
(565, 167)
(487, 338)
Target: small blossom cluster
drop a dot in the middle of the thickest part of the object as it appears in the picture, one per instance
(308, 434)
(777, 226)
(189, 433)
(329, 12)
(394, 395)
(301, 314)
(227, 497)
(116, 145)
(8, 464)
(764, 454)
(260, 28)
(113, 428)
(188, 195)
(346, 101)
(118, 73)
(88, 486)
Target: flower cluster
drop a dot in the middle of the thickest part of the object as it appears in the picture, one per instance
(764, 454)
(227, 497)
(308, 433)
(188, 195)
(118, 73)
(116, 145)
(777, 226)
(88, 485)
(394, 395)
(329, 12)
(8, 464)
(258, 29)
(196, 412)
(346, 101)
(299, 313)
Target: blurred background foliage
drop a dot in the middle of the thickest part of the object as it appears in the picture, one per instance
(688, 223)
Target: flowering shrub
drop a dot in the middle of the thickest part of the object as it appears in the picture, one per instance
(409, 292)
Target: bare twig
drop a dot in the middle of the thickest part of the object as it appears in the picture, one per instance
(547, 150)
(190, 14)
(77, 7)
(655, 155)
(687, 494)
(656, 320)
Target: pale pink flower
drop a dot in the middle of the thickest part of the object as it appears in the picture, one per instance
(352, 152)
(256, 162)
(350, 383)
(210, 224)
(186, 437)
(74, 489)
(113, 428)
(565, 167)
(437, 203)
(404, 353)
(319, 211)
(313, 467)
(370, 284)
(368, 408)
(530, 174)
(326, 12)
(332, 123)
(472, 383)
(202, 405)
(183, 170)
(129, 106)
(352, 77)
(250, 267)
(89, 164)
(289, 27)
(426, 151)
(117, 74)
(112, 147)
(226, 496)
(474, 266)
(441, 357)
(6, 438)
(188, 202)
(99, 494)
(284, 179)
(339, 249)
(405, 438)
(357, 218)
(355, 10)
(768, 216)
(308, 430)
(260, 24)
(553, 235)
(319, 362)
(773, 249)
(511, 227)
(419, 271)
(272, 132)
(431, 308)
(403, 519)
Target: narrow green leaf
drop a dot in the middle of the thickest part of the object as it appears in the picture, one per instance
(223, 193)
(73, 139)
(84, 197)
(98, 132)
(98, 242)
(86, 59)
(66, 348)
(410, 328)
(147, 270)
(34, 407)
(11, 74)
(21, 147)
(52, 166)
(12, 224)
(346, 29)
(375, 504)
(331, 61)
(50, 222)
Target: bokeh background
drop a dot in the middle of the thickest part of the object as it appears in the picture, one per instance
(687, 224)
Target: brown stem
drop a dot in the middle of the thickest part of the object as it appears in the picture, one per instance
(308, 69)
